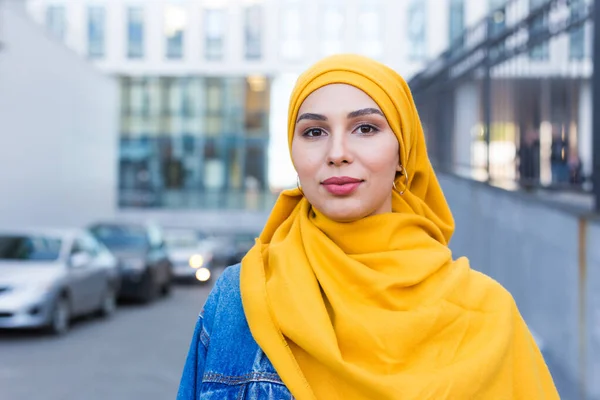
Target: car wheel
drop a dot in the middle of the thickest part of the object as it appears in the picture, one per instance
(166, 289)
(61, 317)
(109, 302)
(150, 288)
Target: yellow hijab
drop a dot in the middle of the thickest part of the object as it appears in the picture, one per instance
(377, 308)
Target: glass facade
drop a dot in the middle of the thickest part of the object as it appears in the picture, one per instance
(417, 34)
(194, 142)
(135, 32)
(577, 35)
(370, 28)
(457, 21)
(175, 21)
(332, 27)
(214, 39)
(540, 52)
(253, 22)
(56, 21)
(291, 30)
(96, 31)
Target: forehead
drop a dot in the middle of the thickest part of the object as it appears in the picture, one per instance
(337, 97)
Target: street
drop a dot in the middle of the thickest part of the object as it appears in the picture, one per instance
(137, 354)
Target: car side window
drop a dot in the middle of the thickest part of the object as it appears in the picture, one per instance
(155, 237)
(87, 244)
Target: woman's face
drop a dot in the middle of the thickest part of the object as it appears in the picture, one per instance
(345, 153)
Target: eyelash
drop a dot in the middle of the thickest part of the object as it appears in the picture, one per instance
(372, 127)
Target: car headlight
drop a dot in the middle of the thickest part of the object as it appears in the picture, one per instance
(196, 261)
(38, 288)
(135, 264)
(203, 274)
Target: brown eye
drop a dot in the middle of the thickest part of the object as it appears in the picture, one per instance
(366, 129)
(314, 132)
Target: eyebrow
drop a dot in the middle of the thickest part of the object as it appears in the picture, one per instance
(353, 114)
(365, 111)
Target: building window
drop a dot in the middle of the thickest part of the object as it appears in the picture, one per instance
(214, 44)
(96, 31)
(333, 28)
(291, 30)
(370, 28)
(457, 21)
(417, 37)
(135, 32)
(174, 25)
(253, 21)
(541, 51)
(577, 35)
(56, 21)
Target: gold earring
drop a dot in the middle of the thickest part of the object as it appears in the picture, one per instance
(405, 173)
(298, 184)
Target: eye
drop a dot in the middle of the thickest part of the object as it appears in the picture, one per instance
(366, 129)
(313, 132)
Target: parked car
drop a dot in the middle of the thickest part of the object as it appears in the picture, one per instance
(48, 277)
(230, 248)
(146, 271)
(190, 253)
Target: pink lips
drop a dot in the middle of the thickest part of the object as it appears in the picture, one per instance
(341, 185)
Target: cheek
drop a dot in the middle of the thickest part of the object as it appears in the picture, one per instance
(306, 160)
(382, 160)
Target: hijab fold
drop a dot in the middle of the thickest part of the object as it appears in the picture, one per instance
(377, 308)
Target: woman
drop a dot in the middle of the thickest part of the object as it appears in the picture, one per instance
(351, 291)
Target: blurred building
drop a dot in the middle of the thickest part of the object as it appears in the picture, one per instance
(58, 115)
(204, 84)
(509, 100)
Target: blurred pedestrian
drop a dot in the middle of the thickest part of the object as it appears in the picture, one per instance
(351, 292)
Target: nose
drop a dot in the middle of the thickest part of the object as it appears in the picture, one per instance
(339, 151)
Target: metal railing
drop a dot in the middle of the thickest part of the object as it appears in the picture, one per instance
(511, 101)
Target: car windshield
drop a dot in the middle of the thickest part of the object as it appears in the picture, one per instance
(181, 239)
(29, 247)
(121, 236)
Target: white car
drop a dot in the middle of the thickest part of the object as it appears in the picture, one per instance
(191, 255)
(48, 277)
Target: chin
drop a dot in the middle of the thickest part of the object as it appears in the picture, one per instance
(345, 210)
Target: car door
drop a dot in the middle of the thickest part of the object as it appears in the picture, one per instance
(99, 270)
(157, 255)
(83, 276)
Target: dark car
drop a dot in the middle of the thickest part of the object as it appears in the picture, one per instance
(144, 265)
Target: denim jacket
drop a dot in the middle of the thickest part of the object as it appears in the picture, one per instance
(224, 361)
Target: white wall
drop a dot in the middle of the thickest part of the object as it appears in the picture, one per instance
(58, 129)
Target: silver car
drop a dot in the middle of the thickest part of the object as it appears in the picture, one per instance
(190, 253)
(48, 277)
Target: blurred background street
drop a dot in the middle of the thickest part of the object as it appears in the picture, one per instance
(143, 144)
(138, 354)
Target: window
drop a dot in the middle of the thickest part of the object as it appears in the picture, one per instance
(539, 52)
(253, 22)
(370, 29)
(214, 22)
(291, 31)
(333, 28)
(135, 32)
(577, 35)
(96, 31)
(417, 38)
(457, 21)
(175, 23)
(56, 21)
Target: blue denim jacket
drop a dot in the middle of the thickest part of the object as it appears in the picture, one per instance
(224, 361)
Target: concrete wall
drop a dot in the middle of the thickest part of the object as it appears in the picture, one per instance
(58, 130)
(542, 255)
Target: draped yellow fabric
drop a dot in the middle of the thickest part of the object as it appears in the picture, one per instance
(377, 308)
